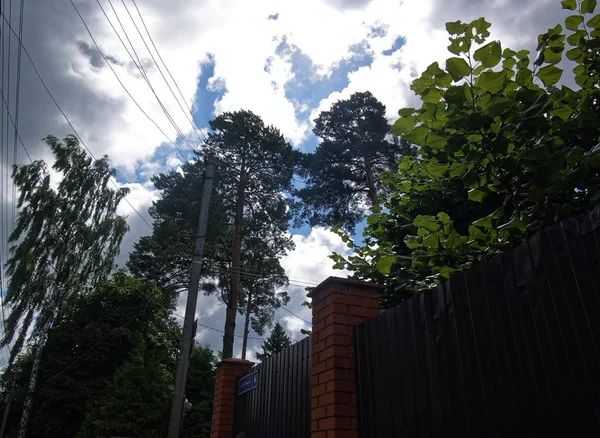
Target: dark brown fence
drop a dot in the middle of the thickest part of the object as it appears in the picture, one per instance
(510, 348)
(279, 406)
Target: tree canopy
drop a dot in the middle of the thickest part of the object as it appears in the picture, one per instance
(112, 350)
(343, 174)
(503, 151)
(65, 239)
(277, 341)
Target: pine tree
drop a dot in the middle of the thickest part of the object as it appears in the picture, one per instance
(256, 165)
(276, 343)
(344, 173)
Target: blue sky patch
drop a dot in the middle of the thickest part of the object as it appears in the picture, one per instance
(398, 43)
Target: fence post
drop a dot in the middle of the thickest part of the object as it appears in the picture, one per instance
(224, 399)
(338, 305)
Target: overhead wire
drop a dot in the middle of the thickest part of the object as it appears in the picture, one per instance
(192, 123)
(121, 82)
(163, 62)
(139, 65)
(68, 120)
(17, 100)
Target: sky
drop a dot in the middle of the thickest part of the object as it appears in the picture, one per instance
(284, 60)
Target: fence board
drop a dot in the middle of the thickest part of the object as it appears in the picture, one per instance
(280, 404)
(510, 347)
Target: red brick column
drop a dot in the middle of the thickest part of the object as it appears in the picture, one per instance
(224, 399)
(338, 305)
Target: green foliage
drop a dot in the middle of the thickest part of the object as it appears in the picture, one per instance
(99, 340)
(65, 239)
(137, 402)
(342, 175)
(275, 343)
(503, 153)
(199, 392)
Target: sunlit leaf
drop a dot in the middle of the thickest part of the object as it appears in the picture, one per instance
(384, 264)
(572, 22)
(491, 81)
(549, 75)
(588, 6)
(489, 55)
(458, 68)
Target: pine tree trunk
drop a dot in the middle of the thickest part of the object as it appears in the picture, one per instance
(371, 182)
(246, 326)
(32, 382)
(232, 305)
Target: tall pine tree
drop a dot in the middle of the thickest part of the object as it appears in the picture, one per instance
(343, 175)
(256, 165)
(276, 343)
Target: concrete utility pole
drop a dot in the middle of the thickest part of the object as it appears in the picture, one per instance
(190, 307)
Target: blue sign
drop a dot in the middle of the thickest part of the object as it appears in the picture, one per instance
(248, 382)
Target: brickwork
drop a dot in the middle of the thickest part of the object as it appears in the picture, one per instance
(224, 399)
(338, 305)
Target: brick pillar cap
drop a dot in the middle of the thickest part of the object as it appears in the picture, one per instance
(236, 362)
(344, 282)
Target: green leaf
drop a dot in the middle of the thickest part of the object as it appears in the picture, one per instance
(572, 22)
(475, 233)
(384, 264)
(443, 217)
(458, 68)
(569, 4)
(432, 241)
(455, 95)
(477, 195)
(432, 95)
(574, 38)
(575, 54)
(436, 141)
(523, 54)
(594, 22)
(405, 112)
(427, 222)
(509, 63)
(550, 75)
(404, 125)
(406, 163)
(491, 81)
(437, 170)
(562, 112)
(457, 169)
(489, 55)
(588, 6)
(417, 136)
(485, 222)
(455, 27)
(515, 223)
(508, 53)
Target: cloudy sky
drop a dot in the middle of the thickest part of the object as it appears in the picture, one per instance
(285, 60)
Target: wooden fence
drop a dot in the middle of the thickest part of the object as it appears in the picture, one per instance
(279, 406)
(510, 348)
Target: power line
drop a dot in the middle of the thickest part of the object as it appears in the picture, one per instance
(141, 69)
(192, 123)
(299, 317)
(120, 82)
(17, 100)
(67, 119)
(163, 62)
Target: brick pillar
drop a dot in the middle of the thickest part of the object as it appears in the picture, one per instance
(338, 305)
(224, 399)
